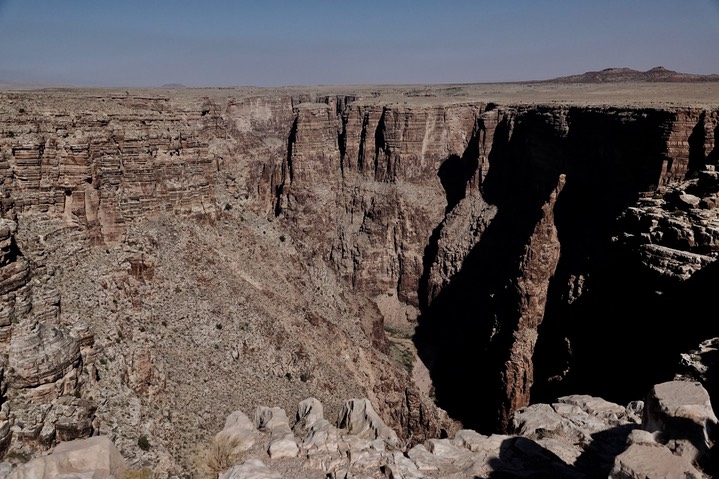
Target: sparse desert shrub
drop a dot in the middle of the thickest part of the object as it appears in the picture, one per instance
(143, 473)
(401, 356)
(143, 443)
(399, 333)
(17, 457)
(219, 456)
(432, 393)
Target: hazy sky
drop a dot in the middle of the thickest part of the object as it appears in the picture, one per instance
(309, 42)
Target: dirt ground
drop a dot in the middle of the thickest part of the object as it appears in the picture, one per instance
(642, 94)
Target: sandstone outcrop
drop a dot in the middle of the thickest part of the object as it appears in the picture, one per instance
(239, 432)
(681, 414)
(95, 457)
(640, 461)
(274, 420)
(678, 431)
(359, 418)
(579, 436)
(250, 469)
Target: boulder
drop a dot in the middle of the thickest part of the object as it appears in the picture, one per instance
(251, 469)
(610, 412)
(469, 439)
(445, 449)
(322, 436)
(324, 447)
(640, 436)
(94, 457)
(401, 467)
(5, 469)
(309, 411)
(536, 420)
(643, 461)
(425, 460)
(282, 440)
(370, 460)
(681, 414)
(519, 455)
(239, 432)
(573, 419)
(687, 200)
(359, 418)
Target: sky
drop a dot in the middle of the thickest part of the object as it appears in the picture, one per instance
(314, 42)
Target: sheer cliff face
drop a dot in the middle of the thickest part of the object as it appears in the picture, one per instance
(361, 185)
(488, 226)
(529, 315)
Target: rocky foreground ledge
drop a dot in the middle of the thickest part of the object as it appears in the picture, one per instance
(669, 435)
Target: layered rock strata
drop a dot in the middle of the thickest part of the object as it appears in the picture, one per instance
(42, 362)
(488, 226)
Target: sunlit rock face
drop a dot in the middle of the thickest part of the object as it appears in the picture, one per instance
(157, 246)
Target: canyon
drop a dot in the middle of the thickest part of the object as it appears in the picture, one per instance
(452, 253)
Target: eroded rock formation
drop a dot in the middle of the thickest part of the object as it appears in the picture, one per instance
(287, 241)
(577, 436)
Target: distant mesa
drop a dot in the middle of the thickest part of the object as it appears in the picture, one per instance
(175, 86)
(656, 74)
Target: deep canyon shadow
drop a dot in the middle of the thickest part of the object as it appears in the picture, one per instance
(604, 329)
(463, 334)
(629, 332)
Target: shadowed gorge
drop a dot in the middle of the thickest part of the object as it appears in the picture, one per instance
(168, 257)
(594, 297)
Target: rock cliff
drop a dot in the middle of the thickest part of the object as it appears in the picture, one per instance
(172, 253)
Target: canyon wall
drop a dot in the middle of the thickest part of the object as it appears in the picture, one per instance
(488, 227)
